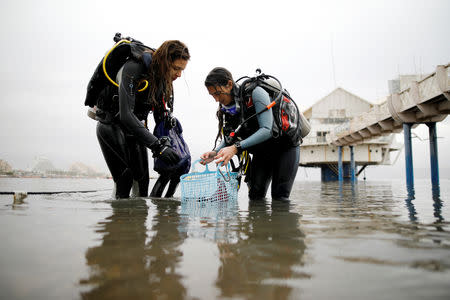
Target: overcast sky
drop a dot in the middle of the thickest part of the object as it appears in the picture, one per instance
(50, 48)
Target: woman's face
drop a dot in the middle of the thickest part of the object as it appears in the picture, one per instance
(222, 93)
(177, 67)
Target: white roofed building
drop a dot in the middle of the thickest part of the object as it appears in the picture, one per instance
(331, 113)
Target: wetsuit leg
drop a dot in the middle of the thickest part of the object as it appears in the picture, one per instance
(174, 181)
(139, 165)
(260, 176)
(114, 148)
(160, 185)
(284, 172)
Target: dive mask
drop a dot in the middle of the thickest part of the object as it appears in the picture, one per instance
(232, 109)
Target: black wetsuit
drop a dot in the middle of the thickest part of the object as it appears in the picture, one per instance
(276, 162)
(123, 136)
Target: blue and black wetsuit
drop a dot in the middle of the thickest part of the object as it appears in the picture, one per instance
(123, 136)
(274, 160)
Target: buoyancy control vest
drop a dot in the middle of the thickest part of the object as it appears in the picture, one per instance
(245, 108)
(102, 90)
(289, 125)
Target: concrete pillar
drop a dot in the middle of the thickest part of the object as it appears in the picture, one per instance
(433, 155)
(408, 155)
(340, 165)
(352, 165)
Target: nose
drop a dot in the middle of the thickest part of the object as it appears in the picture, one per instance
(216, 98)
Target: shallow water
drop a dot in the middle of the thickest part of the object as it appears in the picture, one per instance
(368, 241)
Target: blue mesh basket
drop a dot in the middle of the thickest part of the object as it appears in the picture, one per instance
(209, 186)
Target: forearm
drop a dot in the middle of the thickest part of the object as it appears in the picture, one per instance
(221, 145)
(262, 135)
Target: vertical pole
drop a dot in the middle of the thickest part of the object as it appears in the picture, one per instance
(408, 155)
(433, 155)
(340, 165)
(352, 165)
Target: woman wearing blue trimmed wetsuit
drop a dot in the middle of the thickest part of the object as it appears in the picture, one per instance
(273, 159)
(122, 130)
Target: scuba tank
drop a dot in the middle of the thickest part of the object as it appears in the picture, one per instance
(289, 121)
(102, 88)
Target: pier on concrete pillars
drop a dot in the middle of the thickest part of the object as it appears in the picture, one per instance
(425, 101)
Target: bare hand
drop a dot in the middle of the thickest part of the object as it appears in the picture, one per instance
(225, 154)
(207, 157)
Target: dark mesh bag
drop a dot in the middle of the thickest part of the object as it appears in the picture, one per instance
(174, 133)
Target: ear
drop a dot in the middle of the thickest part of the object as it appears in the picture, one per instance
(230, 84)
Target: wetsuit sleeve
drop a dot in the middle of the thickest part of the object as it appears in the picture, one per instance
(128, 82)
(265, 120)
(221, 145)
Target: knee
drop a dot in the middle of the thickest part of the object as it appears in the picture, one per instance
(281, 191)
(124, 183)
(256, 193)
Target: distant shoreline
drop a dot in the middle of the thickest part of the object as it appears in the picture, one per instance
(51, 176)
(59, 177)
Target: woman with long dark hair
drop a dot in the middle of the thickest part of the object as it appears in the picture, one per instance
(122, 128)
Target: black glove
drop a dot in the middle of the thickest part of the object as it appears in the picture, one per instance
(161, 149)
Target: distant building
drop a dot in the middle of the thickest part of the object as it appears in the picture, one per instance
(42, 165)
(333, 112)
(81, 169)
(5, 167)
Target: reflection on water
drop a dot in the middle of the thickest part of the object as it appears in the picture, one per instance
(266, 250)
(328, 242)
(410, 205)
(258, 251)
(374, 206)
(268, 247)
(437, 204)
(130, 264)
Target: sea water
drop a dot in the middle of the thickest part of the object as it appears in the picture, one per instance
(371, 240)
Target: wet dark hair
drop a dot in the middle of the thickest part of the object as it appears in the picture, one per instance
(162, 60)
(219, 77)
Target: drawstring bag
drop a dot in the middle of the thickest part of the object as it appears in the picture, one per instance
(209, 186)
(172, 132)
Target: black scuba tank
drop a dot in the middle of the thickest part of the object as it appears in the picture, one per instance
(100, 89)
